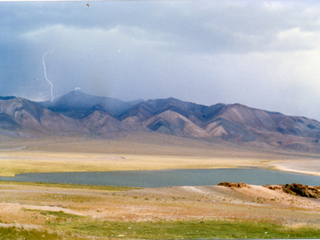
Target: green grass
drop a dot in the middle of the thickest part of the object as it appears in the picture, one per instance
(84, 226)
(66, 185)
(192, 230)
(17, 233)
(77, 227)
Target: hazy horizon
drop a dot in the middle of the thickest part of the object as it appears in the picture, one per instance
(263, 54)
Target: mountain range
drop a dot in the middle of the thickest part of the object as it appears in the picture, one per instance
(80, 114)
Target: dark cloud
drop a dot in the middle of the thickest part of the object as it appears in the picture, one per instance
(261, 53)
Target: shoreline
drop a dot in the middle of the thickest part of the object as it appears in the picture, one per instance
(281, 167)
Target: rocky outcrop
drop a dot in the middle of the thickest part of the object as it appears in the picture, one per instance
(297, 189)
(231, 184)
(302, 190)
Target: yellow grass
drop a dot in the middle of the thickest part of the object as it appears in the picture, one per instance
(30, 162)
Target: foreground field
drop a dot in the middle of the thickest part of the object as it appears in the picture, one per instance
(175, 212)
(167, 230)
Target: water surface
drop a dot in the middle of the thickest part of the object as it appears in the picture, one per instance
(166, 178)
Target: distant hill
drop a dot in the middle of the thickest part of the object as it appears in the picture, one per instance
(77, 113)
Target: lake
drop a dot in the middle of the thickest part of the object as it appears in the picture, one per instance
(166, 178)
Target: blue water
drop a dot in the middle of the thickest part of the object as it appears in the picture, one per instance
(166, 178)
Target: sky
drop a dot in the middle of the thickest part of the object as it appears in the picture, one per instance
(263, 54)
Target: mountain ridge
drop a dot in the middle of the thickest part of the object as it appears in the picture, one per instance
(77, 113)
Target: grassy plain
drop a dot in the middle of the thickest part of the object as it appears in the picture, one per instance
(67, 211)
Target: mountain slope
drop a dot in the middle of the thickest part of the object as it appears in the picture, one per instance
(101, 123)
(27, 115)
(176, 124)
(7, 123)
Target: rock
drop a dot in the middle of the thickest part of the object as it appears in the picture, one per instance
(231, 184)
(273, 187)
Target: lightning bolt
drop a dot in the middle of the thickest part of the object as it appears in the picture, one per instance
(45, 73)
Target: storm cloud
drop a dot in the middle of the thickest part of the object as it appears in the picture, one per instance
(263, 54)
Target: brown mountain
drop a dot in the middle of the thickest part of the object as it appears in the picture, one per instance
(79, 113)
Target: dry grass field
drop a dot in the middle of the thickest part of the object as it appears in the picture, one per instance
(72, 211)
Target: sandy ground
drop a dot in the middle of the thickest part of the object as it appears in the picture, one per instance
(22, 206)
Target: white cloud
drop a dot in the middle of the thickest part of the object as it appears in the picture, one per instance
(295, 39)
